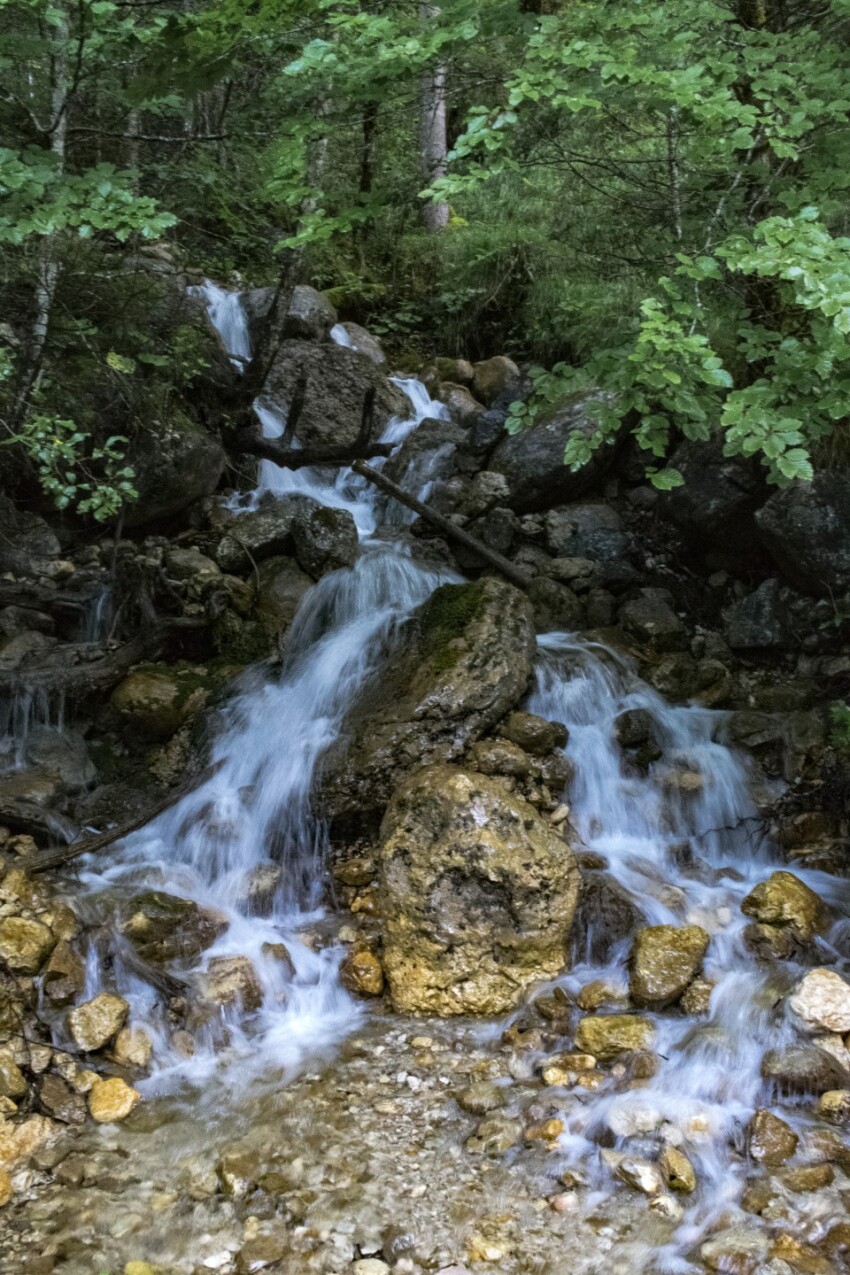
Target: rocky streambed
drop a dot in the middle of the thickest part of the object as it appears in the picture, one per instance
(488, 927)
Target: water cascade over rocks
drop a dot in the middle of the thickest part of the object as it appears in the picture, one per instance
(657, 1072)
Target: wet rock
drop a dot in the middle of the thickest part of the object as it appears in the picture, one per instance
(24, 944)
(364, 343)
(163, 927)
(58, 1100)
(605, 916)
(325, 540)
(6, 1188)
(599, 995)
(806, 527)
(279, 952)
(232, 980)
(155, 702)
(493, 378)
(534, 735)
(176, 463)
(310, 315)
(482, 1098)
(13, 1082)
(495, 1136)
(281, 587)
(786, 901)
(696, 999)
(737, 1251)
(61, 755)
(263, 533)
(133, 1047)
(337, 380)
(808, 1177)
(499, 757)
(821, 1002)
(361, 972)
(555, 605)
(642, 1175)
(190, 564)
(464, 408)
(804, 1069)
(834, 1106)
(650, 620)
(769, 1139)
(836, 1244)
(94, 1023)
(633, 727)
(112, 1100)
(479, 893)
(762, 621)
(678, 1172)
(486, 491)
(20, 1141)
(463, 662)
(533, 459)
(237, 1172)
(607, 1036)
(664, 960)
(258, 888)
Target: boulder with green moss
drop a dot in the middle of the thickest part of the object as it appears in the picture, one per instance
(462, 662)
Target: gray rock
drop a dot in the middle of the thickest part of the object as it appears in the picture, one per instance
(310, 315)
(605, 917)
(176, 463)
(325, 540)
(28, 547)
(761, 621)
(806, 527)
(591, 531)
(650, 620)
(715, 506)
(264, 533)
(533, 460)
(337, 380)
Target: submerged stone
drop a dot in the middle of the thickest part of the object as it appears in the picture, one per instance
(164, 927)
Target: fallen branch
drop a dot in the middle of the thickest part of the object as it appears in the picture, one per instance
(449, 528)
(56, 856)
(26, 816)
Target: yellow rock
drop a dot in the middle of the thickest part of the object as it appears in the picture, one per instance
(139, 1268)
(6, 1191)
(133, 1047)
(361, 972)
(19, 1141)
(112, 1100)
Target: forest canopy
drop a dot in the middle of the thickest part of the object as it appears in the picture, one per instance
(643, 197)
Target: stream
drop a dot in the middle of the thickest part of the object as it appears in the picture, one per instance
(352, 1108)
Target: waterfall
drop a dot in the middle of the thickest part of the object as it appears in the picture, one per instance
(685, 856)
(227, 316)
(255, 810)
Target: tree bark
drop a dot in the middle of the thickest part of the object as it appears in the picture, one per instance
(433, 145)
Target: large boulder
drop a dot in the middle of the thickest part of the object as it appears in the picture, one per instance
(714, 507)
(176, 463)
(154, 701)
(325, 540)
(263, 533)
(478, 894)
(533, 460)
(806, 527)
(462, 662)
(281, 588)
(310, 316)
(337, 380)
(28, 547)
(784, 901)
(762, 620)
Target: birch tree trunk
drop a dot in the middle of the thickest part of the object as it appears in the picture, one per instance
(433, 147)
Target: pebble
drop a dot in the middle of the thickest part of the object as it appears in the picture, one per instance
(6, 1190)
(641, 1174)
(112, 1100)
(370, 1266)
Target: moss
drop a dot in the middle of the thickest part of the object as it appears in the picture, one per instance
(242, 641)
(445, 618)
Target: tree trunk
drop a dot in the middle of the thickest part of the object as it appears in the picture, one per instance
(433, 146)
(48, 267)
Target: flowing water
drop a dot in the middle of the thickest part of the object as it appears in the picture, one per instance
(682, 837)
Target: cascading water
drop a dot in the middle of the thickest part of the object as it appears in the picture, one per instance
(254, 811)
(682, 837)
(685, 841)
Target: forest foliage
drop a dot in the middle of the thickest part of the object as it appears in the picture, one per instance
(646, 197)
